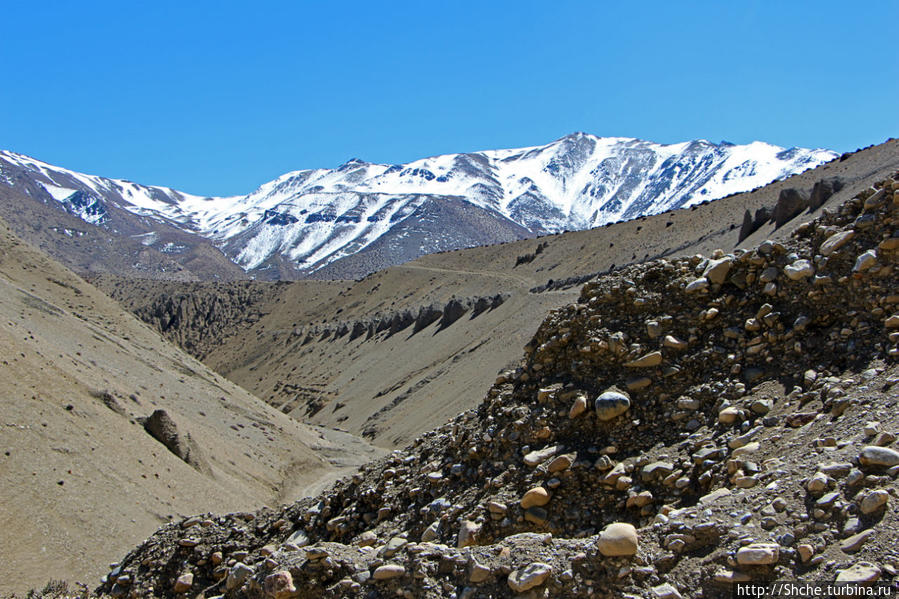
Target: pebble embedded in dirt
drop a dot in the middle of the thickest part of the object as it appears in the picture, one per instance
(531, 576)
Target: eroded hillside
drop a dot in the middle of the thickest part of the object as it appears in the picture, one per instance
(687, 424)
(107, 431)
(407, 348)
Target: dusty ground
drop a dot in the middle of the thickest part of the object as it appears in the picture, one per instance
(81, 479)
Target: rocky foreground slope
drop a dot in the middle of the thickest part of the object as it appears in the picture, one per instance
(686, 425)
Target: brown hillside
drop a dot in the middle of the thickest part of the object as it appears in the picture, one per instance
(82, 479)
(366, 356)
(119, 249)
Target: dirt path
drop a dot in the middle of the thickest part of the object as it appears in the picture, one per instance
(345, 452)
(483, 273)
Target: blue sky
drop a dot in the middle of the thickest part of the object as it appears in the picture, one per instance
(216, 98)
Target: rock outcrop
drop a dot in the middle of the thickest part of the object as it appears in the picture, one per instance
(196, 316)
(823, 190)
(790, 203)
(394, 322)
(161, 427)
(751, 224)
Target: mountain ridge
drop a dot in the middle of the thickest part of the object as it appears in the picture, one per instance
(397, 386)
(306, 220)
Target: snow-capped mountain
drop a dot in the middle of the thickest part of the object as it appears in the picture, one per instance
(308, 219)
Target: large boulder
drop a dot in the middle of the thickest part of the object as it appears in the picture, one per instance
(717, 270)
(532, 575)
(161, 427)
(758, 554)
(611, 404)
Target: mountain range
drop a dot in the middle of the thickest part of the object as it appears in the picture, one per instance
(109, 432)
(360, 217)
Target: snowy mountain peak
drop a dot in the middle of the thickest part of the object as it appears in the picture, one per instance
(311, 218)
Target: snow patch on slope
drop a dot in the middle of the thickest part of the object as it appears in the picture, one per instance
(60, 194)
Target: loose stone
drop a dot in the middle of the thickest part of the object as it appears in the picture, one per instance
(237, 575)
(478, 572)
(818, 483)
(638, 383)
(863, 572)
(184, 582)
(279, 585)
(673, 342)
(798, 270)
(666, 591)
(533, 575)
(393, 546)
(561, 463)
(467, 534)
(697, 285)
(648, 361)
(611, 404)
(873, 501)
(495, 507)
(835, 242)
(855, 542)
(618, 539)
(535, 458)
(538, 496)
(758, 554)
(865, 261)
(717, 270)
(388, 571)
(578, 407)
(729, 415)
(873, 455)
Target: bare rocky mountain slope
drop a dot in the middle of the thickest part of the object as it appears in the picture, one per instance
(686, 424)
(122, 249)
(108, 431)
(407, 348)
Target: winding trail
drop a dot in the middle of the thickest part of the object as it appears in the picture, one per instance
(483, 273)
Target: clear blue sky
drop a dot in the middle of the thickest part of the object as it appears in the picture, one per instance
(216, 98)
